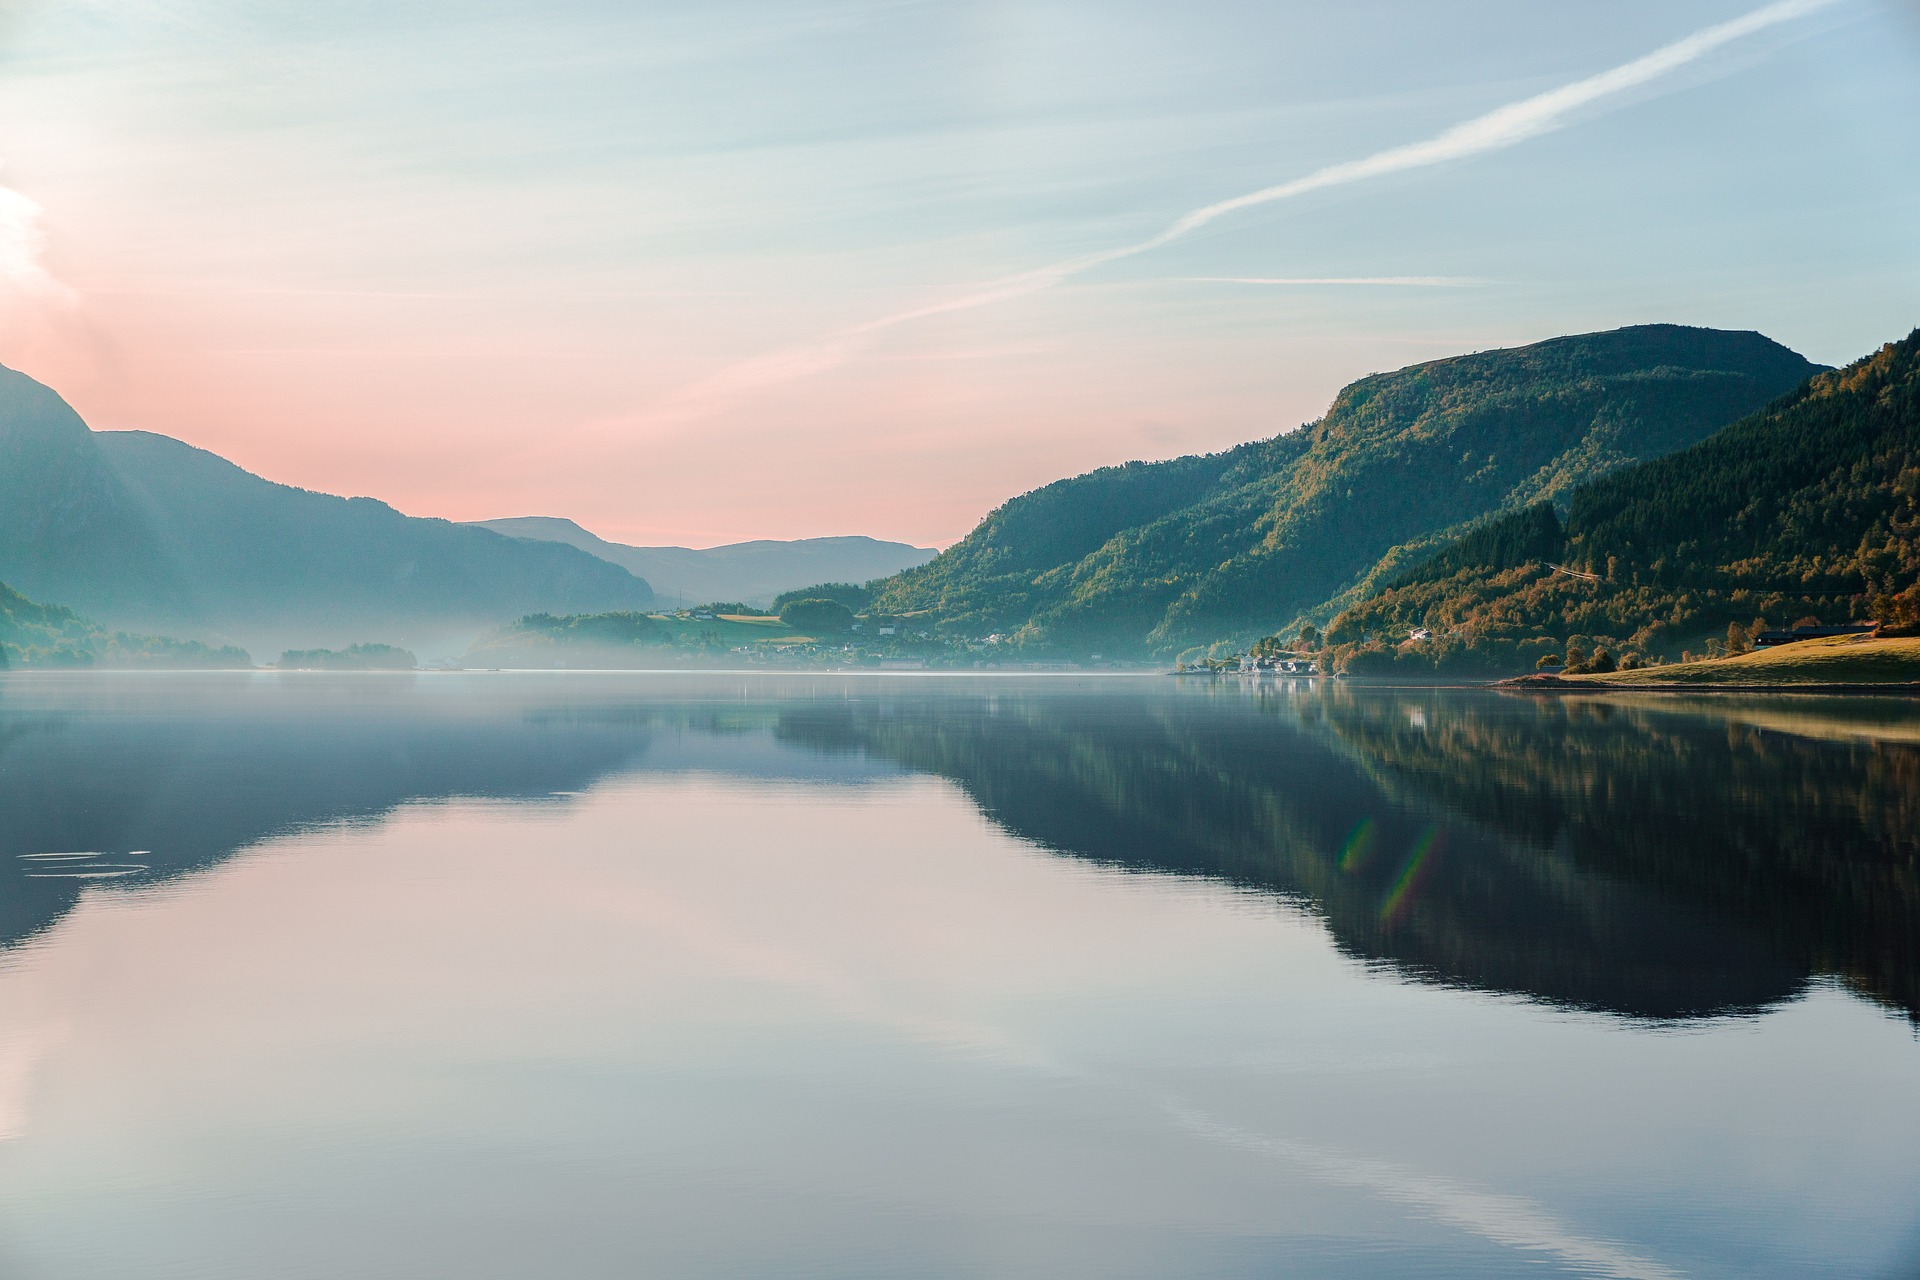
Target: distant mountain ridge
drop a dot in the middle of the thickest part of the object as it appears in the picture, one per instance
(1152, 557)
(750, 572)
(144, 532)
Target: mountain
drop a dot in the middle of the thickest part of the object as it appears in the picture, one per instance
(749, 572)
(142, 531)
(1810, 507)
(1151, 557)
(66, 519)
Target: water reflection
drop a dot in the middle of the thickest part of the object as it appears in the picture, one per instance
(1793, 827)
(150, 778)
(1656, 860)
(731, 978)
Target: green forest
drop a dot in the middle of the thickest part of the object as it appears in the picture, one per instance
(704, 635)
(48, 635)
(357, 657)
(1809, 509)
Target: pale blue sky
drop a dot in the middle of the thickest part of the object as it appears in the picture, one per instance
(601, 259)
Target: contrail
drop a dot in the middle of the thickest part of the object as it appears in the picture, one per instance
(1504, 126)
(1497, 130)
(1416, 282)
(1514, 1221)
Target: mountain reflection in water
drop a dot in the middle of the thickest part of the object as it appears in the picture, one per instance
(1656, 863)
(1658, 860)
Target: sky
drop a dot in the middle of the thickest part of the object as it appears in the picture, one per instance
(698, 273)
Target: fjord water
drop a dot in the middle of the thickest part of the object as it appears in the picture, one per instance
(721, 976)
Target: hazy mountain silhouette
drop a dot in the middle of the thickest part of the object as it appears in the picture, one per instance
(749, 572)
(144, 532)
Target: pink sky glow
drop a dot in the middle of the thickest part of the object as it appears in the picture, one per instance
(696, 280)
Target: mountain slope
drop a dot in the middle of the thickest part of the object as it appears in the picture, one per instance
(142, 531)
(65, 516)
(1154, 556)
(48, 635)
(753, 572)
(1811, 506)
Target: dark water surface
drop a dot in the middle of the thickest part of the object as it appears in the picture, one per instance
(490, 976)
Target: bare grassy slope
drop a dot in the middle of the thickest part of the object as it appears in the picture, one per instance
(1836, 660)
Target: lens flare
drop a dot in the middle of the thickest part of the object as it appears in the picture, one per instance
(1358, 850)
(1419, 865)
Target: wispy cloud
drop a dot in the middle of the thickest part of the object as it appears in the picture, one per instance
(1496, 130)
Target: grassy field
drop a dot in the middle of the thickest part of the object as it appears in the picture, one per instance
(1839, 660)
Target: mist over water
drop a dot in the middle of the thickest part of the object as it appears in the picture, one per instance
(713, 975)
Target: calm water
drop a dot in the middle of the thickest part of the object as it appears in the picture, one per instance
(706, 976)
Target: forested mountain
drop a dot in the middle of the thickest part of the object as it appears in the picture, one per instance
(1810, 507)
(144, 532)
(752, 572)
(1150, 557)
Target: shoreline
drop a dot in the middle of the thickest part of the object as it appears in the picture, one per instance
(1556, 684)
